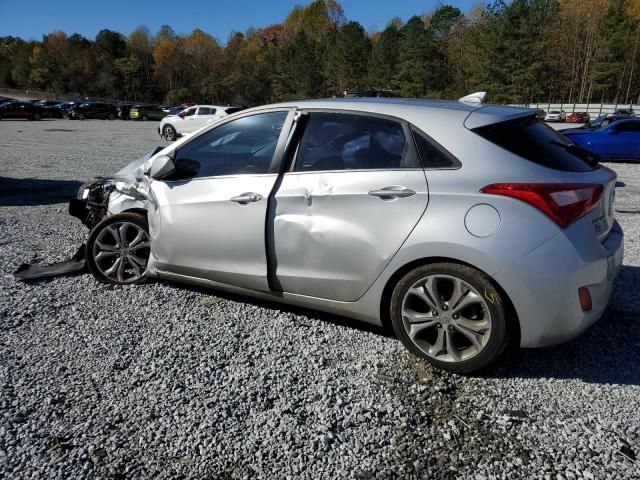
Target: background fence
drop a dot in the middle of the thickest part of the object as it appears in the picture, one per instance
(593, 109)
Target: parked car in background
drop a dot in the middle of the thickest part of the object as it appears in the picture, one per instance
(146, 112)
(467, 227)
(369, 94)
(604, 120)
(577, 117)
(191, 119)
(52, 108)
(7, 99)
(555, 116)
(26, 110)
(67, 108)
(630, 112)
(123, 109)
(619, 140)
(104, 111)
(540, 113)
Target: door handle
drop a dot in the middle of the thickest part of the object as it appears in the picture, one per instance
(247, 198)
(392, 192)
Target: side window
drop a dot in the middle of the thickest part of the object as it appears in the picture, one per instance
(204, 111)
(188, 112)
(343, 141)
(627, 127)
(431, 155)
(243, 146)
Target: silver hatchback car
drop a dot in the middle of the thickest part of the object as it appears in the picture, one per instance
(467, 227)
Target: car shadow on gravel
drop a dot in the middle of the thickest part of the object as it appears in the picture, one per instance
(283, 307)
(609, 352)
(16, 192)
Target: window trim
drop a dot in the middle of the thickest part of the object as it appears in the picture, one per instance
(457, 164)
(278, 154)
(410, 146)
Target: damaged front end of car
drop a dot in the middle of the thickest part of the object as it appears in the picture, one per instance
(104, 196)
(126, 191)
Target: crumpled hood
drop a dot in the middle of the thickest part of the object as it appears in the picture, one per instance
(128, 173)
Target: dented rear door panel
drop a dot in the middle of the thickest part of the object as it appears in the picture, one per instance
(332, 238)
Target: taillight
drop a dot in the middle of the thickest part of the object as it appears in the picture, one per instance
(563, 203)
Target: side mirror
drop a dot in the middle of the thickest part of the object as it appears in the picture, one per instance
(161, 167)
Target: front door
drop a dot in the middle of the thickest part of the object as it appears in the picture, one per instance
(210, 216)
(355, 192)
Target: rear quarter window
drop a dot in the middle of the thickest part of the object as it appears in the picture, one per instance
(535, 141)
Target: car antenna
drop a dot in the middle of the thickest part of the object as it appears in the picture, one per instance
(474, 98)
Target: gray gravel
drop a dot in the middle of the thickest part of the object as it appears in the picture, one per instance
(166, 381)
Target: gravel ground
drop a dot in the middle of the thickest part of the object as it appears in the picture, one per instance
(167, 381)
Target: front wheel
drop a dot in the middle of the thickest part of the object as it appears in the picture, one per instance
(144, 118)
(111, 116)
(118, 249)
(81, 116)
(36, 116)
(451, 315)
(169, 133)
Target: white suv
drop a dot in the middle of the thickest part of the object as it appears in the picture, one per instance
(191, 119)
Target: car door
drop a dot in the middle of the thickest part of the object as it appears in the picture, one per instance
(205, 115)
(625, 139)
(354, 193)
(189, 120)
(209, 220)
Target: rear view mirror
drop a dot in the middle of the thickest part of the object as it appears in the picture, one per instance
(162, 167)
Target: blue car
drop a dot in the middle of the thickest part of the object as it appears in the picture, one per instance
(619, 140)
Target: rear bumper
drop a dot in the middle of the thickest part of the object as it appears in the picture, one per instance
(543, 286)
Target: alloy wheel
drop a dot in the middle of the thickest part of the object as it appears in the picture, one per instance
(446, 318)
(121, 251)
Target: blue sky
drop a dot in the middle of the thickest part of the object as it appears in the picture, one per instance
(30, 19)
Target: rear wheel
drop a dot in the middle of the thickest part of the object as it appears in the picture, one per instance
(81, 116)
(111, 116)
(451, 315)
(169, 133)
(118, 249)
(144, 118)
(36, 116)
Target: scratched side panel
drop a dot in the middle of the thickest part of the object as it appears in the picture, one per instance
(332, 239)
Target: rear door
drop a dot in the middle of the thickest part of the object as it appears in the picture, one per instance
(355, 191)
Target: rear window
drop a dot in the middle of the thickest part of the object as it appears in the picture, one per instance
(231, 110)
(532, 139)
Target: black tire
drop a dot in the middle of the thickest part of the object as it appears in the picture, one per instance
(81, 116)
(144, 118)
(502, 330)
(36, 116)
(169, 133)
(97, 267)
(111, 117)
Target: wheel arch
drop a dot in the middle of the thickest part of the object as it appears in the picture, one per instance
(385, 299)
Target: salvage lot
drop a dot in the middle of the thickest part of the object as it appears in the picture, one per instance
(164, 380)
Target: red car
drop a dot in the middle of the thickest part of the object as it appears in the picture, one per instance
(21, 110)
(578, 117)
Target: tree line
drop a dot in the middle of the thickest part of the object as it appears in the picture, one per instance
(520, 51)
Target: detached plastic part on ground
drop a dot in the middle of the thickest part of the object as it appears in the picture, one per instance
(34, 271)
